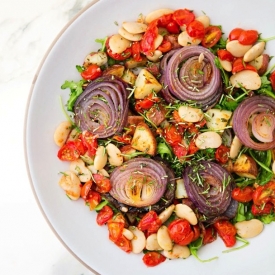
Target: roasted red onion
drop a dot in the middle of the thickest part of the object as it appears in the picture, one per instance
(208, 186)
(253, 106)
(139, 182)
(103, 107)
(191, 75)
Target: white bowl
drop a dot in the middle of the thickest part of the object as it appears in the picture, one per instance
(71, 221)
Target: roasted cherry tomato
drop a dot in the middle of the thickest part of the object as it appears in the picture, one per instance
(145, 104)
(153, 258)
(265, 209)
(172, 136)
(123, 243)
(243, 194)
(149, 37)
(196, 29)
(272, 80)
(183, 16)
(165, 46)
(181, 232)
(173, 27)
(71, 150)
(239, 65)
(126, 139)
(192, 147)
(93, 199)
(222, 154)
(90, 142)
(212, 36)
(115, 230)
(225, 55)
(264, 193)
(85, 189)
(226, 231)
(92, 72)
(209, 235)
(104, 215)
(235, 34)
(180, 151)
(103, 184)
(136, 51)
(118, 56)
(197, 232)
(248, 37)
(150, 223)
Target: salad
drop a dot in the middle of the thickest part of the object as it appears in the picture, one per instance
(169, 135)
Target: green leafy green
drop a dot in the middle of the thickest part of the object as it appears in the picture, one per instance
(164, 151)
(267, 219)
(76, 90)
(240, 216)
(224, 74)
(102, 41)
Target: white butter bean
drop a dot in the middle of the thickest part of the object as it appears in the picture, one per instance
(190, 114)
(180, 189)
(235, 147)
(208, 140)
(164, 239)
(62, 132)
(204, 19)
(165, 214)
(114, 154)
(227, 65)
(156, 14)
(130, 36)
(129, 235)
(134, 27)
(98, 58)
(155, 57)
(237, 49)
(254, 52)
(177, 252)
(100, 159)
(248, 79)
(185, 40)
(118, 44)
(249, 229)
(79, 168)
(139, 240)
(183, 211)
(71, 184)
(152, 242)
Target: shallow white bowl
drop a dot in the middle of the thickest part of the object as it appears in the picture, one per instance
(71, 221)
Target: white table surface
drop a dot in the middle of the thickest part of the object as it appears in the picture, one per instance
(27, 244)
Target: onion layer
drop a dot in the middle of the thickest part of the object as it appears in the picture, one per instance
(191, 75)
(139, 182)
(103, 107)
(208, 186)
(253, 106)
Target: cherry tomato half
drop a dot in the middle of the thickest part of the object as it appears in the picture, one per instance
(85, 189)
(239, 65)
(183, 16)
(225, 55)
(93, 199)
(243, 194)
(181, 232)
(150, 223)
(71, 150)
(165, 46)
(153, 258)
(103, 184)
(148, 39)
(115, 230)
(211, 37)
(136, 51)
(272, 80)
(196, 29)
(104, 215)
(222, 154)
(90, 142)
(266, 209)
(180, 151)
(248, 37)
(123, 243)
(235, 34)
(209, 235)
(91, 72)
(172, 136)
(226, 231)
(118, 56)
(264, 193)
(173, 27)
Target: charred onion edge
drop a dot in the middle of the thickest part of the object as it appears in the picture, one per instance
(242, 114)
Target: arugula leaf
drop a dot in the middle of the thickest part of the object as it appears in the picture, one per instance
(267, 219)
(76, 90)
(102, 41)
(224, 75)
(240, 216)
(164, 151)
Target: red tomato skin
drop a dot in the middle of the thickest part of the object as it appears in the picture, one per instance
(93, 199)
(150, 223)
(85, 189)
(123, 243)
(272, 80)
(209, 235)
(136, 51)
(153, 258)
(103, 184)
(196, 29)
(211, 37)
(165, 46)
(225, 55)
(164, 20)
(148, 39)
(115, 230)
(71, 150)
(91, 72)
(89, 141)
(173, 27)
(266, 209)
(222, 154)
(192, 149)
(243, 194)
(239, 65)
(183, 16)
(180, 151)
(226, 231)
(104, 215)
(172, 136)
(248, 37)
(118, 56)
(181, 232)
(235, 34)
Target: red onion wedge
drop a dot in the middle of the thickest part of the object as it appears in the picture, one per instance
(261, 110)
(103, 107)
(139, 182)
(208, 186)
(191, 75)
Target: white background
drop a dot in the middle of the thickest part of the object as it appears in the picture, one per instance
(27, 244)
